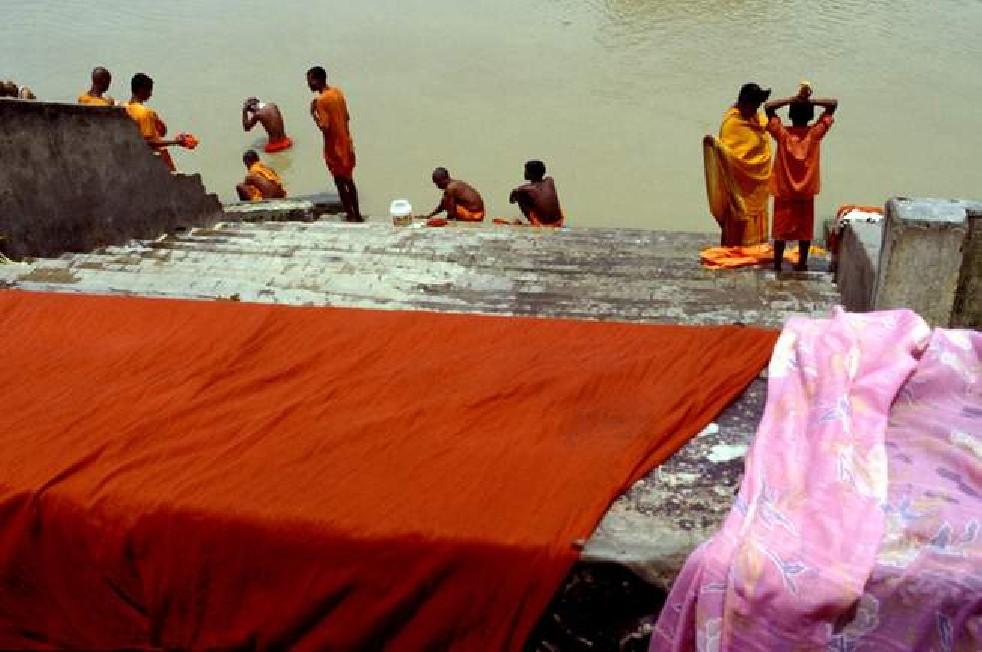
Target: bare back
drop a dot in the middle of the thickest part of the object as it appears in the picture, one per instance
(541, 198)
(272, 121)
(461, 193)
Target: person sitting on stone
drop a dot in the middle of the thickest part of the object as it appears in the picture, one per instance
(96, 95)
(460, 200)
(261, 182)
(13, 91)
(268, 115)
(538, 199)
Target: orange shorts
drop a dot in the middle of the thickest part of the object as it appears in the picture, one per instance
(274, 146)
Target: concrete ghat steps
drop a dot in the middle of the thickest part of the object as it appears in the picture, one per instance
(582, 273)
(604, 274)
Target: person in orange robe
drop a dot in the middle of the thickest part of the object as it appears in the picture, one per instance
(795, 178)
(151, 127)
(261, 182)
(744, 154)
(330, 113)
(96, 95)
(538, 199)
(460, 200)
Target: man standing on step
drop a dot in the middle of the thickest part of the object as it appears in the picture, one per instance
(330, 113)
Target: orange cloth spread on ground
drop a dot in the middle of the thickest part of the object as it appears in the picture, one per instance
(218, 475)
(749, 256)
(93, 100)
(738, 168)
(267, 173)
(468, 216)
(331, 112)
(280, 145)
(150, 126)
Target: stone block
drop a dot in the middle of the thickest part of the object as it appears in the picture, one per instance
(922, 257)
(968, 297)
(858, 263)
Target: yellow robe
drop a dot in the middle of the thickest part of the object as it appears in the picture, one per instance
(738, 169)
(92, 100)
(150, 126)
(255, 194)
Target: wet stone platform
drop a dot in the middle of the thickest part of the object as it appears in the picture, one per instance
(597, 274)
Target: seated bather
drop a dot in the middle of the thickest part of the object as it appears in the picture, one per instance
(268, 115)
(261, 182)
(460, 200)
(538, 199)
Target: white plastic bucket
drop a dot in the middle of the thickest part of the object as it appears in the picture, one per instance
(401, 211)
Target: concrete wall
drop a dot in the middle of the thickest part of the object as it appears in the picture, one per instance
(73, 178)
(968, 298)
(921, 263)
(858, 263)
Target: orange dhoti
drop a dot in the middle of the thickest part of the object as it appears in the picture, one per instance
(340, 159)
(280, 145)
(535, 220)
(465, 215)
(794, 219)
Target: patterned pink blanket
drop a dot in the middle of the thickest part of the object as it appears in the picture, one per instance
(857, 522)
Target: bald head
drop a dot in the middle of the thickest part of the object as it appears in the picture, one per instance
(101, 79)
(441, 178)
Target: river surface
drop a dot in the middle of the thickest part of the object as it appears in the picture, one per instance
(614, 95)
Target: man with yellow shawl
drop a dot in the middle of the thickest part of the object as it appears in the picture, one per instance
(738, 169)
(261, 182)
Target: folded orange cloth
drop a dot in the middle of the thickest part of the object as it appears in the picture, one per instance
(748, 256)
(187, 141)
(437, 221)
(274, 146)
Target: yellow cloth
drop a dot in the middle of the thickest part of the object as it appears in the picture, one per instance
(749, 256)
(93, 100)
(147, 120)
(151, 127)
(266, 173)
(743, 151)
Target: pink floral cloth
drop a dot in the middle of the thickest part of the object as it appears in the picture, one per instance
(857, 523)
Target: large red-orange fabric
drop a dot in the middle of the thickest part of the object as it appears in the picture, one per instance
(220, 475)
(331, 113)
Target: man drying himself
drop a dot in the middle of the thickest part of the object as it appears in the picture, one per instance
(745, 153)
(460, 200)
(330, 113)
(538, 199)
(268, 115)
(96, 95)
(261, 182)
(152, 128)
(795, 179)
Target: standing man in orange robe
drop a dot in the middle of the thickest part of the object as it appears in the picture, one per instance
(795, 179)
(330, 113)
(151, 127)
(96, 95)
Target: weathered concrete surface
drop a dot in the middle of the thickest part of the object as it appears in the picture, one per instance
(294, 209)
(73, 178)
(921, 261)
(859, 261)
(603, 274)
(968, 297)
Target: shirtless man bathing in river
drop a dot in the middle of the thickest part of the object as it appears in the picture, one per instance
(268, 115)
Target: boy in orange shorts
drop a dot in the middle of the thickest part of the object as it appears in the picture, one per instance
(795, 178)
